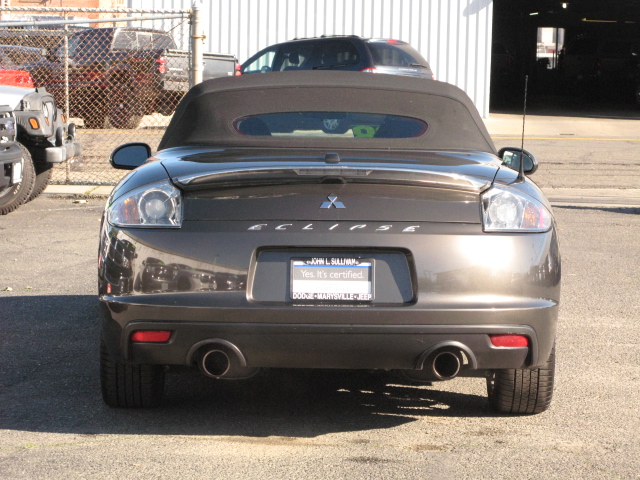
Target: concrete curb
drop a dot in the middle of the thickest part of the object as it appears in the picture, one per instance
(79, 190)
(599, 197)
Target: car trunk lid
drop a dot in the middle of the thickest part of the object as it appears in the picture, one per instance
(433, 187)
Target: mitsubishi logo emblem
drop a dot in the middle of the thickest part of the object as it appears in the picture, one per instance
(333, 201)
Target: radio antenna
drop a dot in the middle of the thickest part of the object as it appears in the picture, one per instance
(524, 116)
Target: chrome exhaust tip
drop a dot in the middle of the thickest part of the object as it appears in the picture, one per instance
(443, 361)
(215, 363)
(446, 365)
(219, 358)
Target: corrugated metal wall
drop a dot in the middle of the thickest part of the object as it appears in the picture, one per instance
(453, 35)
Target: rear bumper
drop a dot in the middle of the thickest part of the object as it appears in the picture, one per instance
(63, 153)
(333, 337)
(451, 284)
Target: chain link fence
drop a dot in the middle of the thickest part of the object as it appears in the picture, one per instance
(118, 74)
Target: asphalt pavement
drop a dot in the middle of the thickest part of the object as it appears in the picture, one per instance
(309, 425)
(329, 425)
(596, 136)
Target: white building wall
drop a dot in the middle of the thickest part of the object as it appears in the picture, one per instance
(453, 35)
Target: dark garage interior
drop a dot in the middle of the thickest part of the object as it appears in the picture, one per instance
(581, 57)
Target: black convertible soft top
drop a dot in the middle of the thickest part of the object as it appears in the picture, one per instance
(206, 115)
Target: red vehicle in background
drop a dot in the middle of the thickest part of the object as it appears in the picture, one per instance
(13, 61)
(15, 78)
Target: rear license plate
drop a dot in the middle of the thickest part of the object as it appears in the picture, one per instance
(332, 279)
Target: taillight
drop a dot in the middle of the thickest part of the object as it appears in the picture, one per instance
(509, 340)
(508, 210)
(156, 205)
(369, 70)
(162, 64)
(238, 70)
(151, 336)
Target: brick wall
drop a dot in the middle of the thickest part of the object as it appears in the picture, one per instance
(65, 3)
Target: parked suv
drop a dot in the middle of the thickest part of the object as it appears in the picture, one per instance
(30, 119)
(16, 170)
(340, 53)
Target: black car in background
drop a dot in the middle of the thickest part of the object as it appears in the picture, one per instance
(340, 53)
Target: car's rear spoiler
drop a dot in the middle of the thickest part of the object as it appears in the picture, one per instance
(296, 173)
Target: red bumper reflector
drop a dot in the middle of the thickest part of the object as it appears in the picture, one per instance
(151, 336)
(509, 340)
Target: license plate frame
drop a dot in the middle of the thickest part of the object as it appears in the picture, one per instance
(332, 279)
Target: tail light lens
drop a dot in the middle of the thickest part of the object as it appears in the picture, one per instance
(153, 206)
(508, 210)
(162, 65)
(369, 70)
(151, 336)
(238, 70)
(509, 340)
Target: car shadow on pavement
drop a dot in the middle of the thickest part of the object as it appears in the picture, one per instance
(50, 383)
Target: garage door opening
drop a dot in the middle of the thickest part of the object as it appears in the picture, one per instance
(582, 58)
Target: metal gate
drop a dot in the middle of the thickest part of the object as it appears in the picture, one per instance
(118, 74)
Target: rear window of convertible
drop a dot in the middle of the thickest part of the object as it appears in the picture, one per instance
(323, 124)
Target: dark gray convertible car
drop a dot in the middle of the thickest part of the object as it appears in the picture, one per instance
(255, 239)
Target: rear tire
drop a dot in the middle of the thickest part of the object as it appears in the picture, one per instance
(130, 386)
(43, 171)
(122, 113)
(12, 197)
(522, 391)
